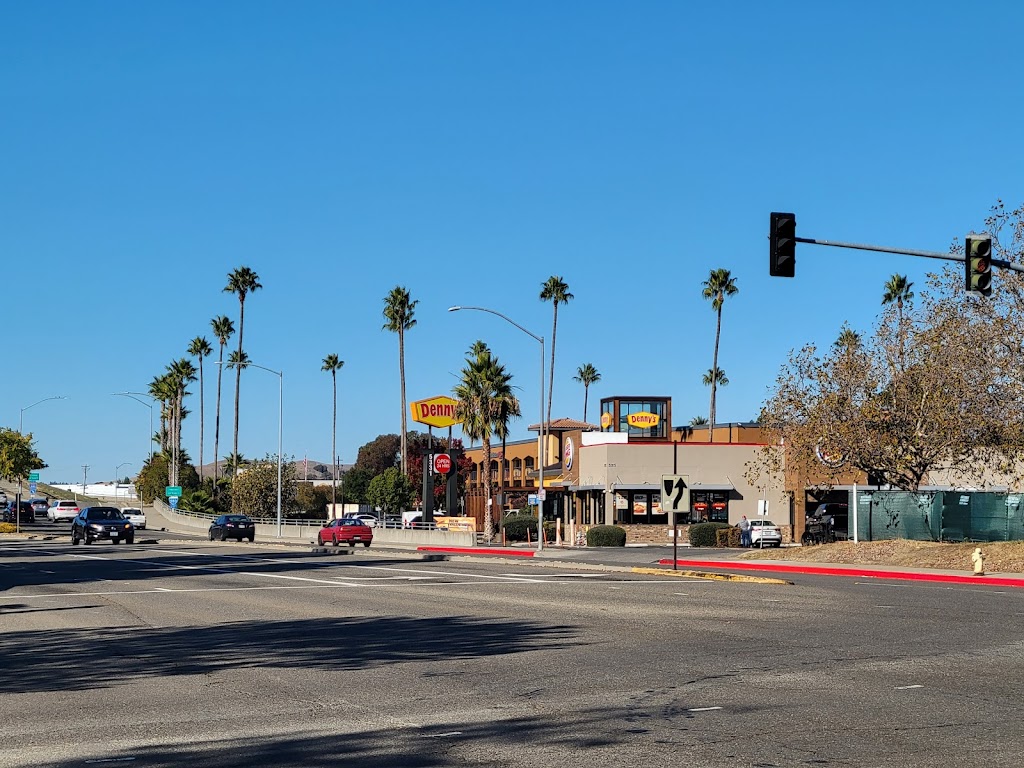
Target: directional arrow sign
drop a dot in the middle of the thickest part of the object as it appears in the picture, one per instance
(675, 495)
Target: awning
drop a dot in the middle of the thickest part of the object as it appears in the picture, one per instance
(586, 487)
(712, 487)
(636, 486)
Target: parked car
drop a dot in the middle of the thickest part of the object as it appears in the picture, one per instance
(24, 514)
(233, 527)
(370, 520)
(765, 533)
(136, 516)
(39, 506)
(62, 509)
(3, 498)
(345, 530)
(101, 523)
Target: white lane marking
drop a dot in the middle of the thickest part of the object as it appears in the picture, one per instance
(89, 557)
(440, 735)
(111, 760)
(907, 687)
(47, 571)
(702, 709)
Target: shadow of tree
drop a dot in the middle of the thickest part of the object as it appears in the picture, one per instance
(76, 659)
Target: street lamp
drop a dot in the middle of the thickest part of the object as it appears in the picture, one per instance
(132, 396)
(541, 447)
(117, 469)
(21, 425)
(280, 428)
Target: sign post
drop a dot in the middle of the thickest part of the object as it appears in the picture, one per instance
(675, 498)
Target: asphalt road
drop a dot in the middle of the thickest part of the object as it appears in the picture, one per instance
(221, 655)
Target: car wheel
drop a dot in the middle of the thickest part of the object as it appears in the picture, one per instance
(74, 540)
(319, 540)
(366, 543)
(223, 536)
(211, 535)
(88, 539)
(252, 539)
(130, 540)
(334, 542)
(117, 541)
(351, 543)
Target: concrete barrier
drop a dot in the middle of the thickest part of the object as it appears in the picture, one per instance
(399, 537)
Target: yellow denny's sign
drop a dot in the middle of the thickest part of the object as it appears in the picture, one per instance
(435, 412)
(643, 420)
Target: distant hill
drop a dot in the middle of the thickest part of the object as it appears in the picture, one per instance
(314, 470)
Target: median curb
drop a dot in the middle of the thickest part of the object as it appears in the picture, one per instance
(852, 571)
(713, 576)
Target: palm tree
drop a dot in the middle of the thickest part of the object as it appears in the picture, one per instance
(898, 290)
(848, 339)
(586, 375)
(486, 405)
(162, 389)
(200, 348)
(698, 421)
(241, 282)
(398, 311)
(182, 373)
(718, 377)
(720, 283)
(223, 329)
(556, 291)
(233, 462)
(332, 364)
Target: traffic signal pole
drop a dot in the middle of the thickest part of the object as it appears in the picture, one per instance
(907, 252)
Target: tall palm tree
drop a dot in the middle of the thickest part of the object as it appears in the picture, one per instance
(182, 373)
(698, 421)
(485, 406)
(586, 375)
(720, 283)
(332, 364)
(898, 290)
(848, 339)
(233, 461)
(556, 291)
(162, 389)
(399, 309)
(223, 329)
(241, 282)
(200, 348)
(717, 377)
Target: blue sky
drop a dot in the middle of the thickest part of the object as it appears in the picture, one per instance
(467, 151)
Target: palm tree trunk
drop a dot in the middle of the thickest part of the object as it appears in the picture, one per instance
(334, 446)
(551, 379)
(488, 519)
(586, 392)
(238, 371)
(201, 418)
(714, 378)
(216, 428)
(401, 374)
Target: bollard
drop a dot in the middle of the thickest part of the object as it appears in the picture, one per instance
(979, 562)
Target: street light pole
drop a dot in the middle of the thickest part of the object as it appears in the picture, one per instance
(280, 430)
(541, 446)
(132, 395)
(116, 481)
(21, 427)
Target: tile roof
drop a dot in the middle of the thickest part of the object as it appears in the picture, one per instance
(564, 425)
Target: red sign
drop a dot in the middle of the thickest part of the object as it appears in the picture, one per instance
(442, 463)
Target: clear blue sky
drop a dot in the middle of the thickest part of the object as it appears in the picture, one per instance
(467, 151)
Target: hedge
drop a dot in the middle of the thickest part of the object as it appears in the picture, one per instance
(705, 534)
(606, 536)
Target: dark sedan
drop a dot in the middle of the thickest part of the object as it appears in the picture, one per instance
(25, 512)
(233, 527)
(101, 523)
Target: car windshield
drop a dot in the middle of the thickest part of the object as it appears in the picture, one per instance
(352, 521)
(236, 519)
(104, 514)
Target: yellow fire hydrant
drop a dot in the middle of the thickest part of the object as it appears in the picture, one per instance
(979, 562)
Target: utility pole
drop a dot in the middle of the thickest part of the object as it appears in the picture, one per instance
(85, 475)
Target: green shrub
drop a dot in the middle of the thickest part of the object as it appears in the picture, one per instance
(606, 536)
(705, 534)
(518, 526)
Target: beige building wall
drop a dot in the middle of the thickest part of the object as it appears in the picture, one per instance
(639, 464)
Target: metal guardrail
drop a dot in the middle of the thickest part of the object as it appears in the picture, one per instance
(293, 521)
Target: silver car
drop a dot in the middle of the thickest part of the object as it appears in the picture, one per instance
(765, 533)
(63, 509)
(136, 516)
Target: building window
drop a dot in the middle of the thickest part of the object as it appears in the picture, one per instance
(712, 506)
(517, 469)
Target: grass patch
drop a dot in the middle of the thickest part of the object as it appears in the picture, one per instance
(1000, 556)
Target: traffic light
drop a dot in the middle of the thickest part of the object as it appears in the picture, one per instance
(782, 252)
(978, 264)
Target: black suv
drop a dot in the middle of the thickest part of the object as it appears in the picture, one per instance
(25, 514)
(101, 523)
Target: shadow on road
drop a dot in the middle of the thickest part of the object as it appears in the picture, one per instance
(77, 659)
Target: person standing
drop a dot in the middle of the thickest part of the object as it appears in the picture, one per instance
(744, 532)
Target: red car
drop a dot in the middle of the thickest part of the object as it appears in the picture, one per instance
(345, 530)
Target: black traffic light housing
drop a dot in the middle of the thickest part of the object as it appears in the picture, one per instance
(782, 252)
(978, 264)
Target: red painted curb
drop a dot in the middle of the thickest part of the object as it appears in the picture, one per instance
(479, 551)
(861, 573)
